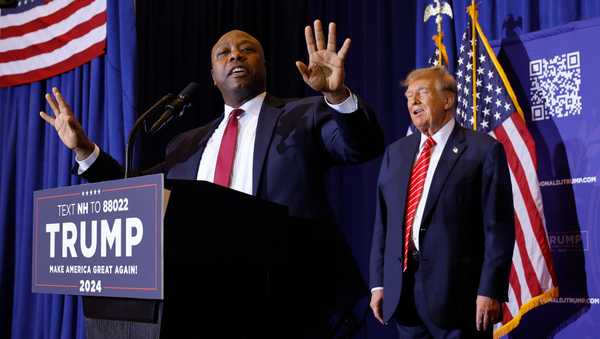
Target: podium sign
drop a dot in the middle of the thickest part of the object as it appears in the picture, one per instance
(102, 239)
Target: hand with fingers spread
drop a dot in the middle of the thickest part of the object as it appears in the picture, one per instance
(325, 70)
(67, 126)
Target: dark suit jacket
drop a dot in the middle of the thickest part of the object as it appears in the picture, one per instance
(467, 229)
(296, 141)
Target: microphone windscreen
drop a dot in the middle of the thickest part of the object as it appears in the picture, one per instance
(189, 90)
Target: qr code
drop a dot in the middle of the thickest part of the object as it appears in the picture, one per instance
(555, 84)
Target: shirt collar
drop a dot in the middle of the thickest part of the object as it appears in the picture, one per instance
(441, 136)
(250, 107)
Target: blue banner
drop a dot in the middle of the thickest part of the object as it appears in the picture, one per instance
(556, 73)
(102, 239)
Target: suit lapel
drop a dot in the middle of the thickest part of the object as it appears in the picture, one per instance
(187, 166)
(452, 152)
(267, 120)
(401, 173)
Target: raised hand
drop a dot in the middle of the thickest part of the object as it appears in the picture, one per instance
(67, 126)
(325, 70)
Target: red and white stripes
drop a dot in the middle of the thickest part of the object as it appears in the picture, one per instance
(532, 271)
(50, 39)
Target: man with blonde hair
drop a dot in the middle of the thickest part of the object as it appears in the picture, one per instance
(444, 229)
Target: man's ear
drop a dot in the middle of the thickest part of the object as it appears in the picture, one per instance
(212, 76)
(450, 101)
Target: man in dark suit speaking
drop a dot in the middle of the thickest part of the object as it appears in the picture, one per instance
(444, 229)
(275, 149)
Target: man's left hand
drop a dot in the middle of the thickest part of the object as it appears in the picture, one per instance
(325, 70)
(488, 312)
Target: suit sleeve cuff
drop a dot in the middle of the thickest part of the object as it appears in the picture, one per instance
(84, 164)
(347, 106)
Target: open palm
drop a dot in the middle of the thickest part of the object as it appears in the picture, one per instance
(66, 125)
(325, 70)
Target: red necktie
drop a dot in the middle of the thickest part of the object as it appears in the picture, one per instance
(224, 166)
(415, 190)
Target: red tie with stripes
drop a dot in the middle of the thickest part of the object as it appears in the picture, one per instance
(415, 190)
(224, 166)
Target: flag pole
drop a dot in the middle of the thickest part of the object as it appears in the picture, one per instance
(473, 13)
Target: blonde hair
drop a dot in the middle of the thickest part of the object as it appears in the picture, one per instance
(444, 81)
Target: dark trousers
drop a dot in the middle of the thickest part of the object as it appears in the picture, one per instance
(412, 317)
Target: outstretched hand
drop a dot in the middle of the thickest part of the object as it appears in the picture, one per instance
(67, 126)
(325, 70)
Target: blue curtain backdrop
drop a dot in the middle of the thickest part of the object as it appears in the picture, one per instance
(102, 94)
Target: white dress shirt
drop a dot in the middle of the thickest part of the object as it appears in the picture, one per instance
(241, 177)
(441, 138)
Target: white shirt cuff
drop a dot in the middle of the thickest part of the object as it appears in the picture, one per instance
(376, 289)
(89, 161)
(347, 106)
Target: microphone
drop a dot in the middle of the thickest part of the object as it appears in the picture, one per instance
(170, 105)
(176, 107)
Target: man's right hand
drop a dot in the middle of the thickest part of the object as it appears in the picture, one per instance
(67, 126)
(376, 305)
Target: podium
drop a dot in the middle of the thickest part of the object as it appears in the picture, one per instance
(236, 266)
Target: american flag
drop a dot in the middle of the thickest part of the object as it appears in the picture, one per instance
(43, 38)
(532, 280)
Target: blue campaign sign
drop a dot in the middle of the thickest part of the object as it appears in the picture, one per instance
(102, 239)
(556, 72)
